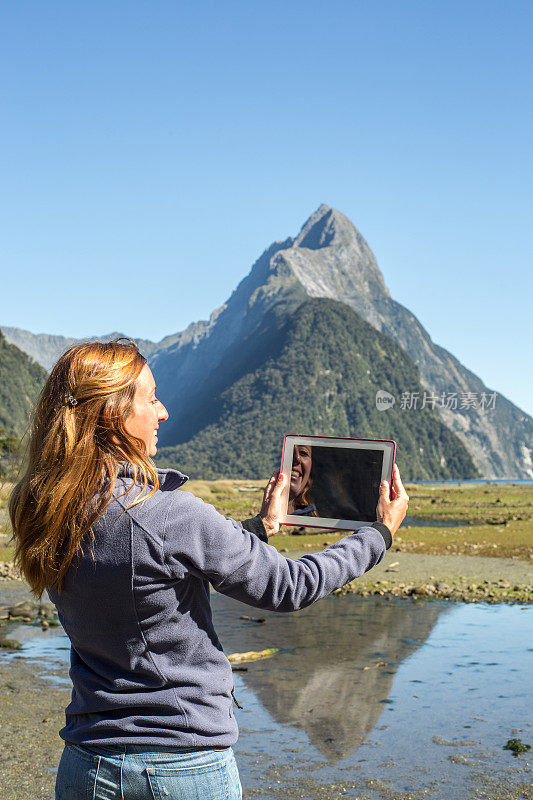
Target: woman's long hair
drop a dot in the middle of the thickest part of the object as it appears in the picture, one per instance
(304, 499)
(77, 437)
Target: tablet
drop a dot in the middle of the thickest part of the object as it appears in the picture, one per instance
(333, 482)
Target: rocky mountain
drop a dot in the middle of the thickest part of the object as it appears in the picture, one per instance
(319, 373)
(45, 349)
(329, 258)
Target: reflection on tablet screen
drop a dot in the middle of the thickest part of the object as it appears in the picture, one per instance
(335, 483)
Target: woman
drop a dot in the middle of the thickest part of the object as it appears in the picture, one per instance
(127, 561)
(300, 502)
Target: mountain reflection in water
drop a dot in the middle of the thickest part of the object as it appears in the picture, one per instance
(319, 684)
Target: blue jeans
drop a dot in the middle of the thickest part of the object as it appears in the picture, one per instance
(138, 772)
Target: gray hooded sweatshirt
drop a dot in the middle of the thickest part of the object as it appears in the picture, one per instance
(146, 664)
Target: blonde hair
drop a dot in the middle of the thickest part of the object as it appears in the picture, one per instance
(77, 437)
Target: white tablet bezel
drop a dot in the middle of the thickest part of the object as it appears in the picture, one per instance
(388, 446)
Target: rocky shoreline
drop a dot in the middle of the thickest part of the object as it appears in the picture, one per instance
(9, 571)
(470, 579)
(501, 591)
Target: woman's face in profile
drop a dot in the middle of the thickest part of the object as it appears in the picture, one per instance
(146, 412)
(301, 469)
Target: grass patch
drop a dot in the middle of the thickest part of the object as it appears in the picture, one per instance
(238, 499)
(7, 553)
(477, 519)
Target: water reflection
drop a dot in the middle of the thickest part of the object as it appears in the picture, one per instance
(429, 724)
(320, 684)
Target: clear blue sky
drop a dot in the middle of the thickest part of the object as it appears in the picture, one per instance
(151, 150)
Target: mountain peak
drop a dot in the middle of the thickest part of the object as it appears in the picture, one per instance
(330, 258)
(326, 227)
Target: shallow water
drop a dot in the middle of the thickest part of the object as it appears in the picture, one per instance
(425, 522)
(484, 481)
(449, 675)
(445, 687)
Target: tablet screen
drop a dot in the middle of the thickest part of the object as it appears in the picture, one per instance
(334, 483)
(346, 482)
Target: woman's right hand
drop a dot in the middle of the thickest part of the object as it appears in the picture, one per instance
(392, 507)
(271, 508)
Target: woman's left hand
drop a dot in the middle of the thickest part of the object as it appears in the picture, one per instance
(271, 508)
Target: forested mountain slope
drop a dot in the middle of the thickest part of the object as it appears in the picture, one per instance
(318, 373)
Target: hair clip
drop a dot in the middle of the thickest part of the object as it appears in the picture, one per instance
(71, 401)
